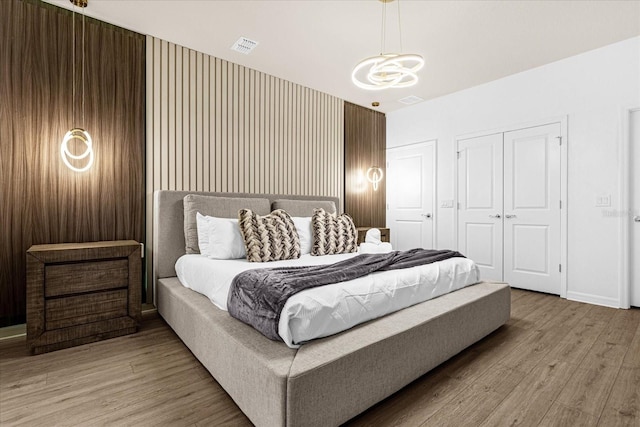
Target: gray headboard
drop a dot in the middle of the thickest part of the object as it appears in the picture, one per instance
(168, 224)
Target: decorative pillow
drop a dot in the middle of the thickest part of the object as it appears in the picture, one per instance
(269, 238)
(302, 208)
(219, 238)
(305, 233)
(333, 234)
(220, 207)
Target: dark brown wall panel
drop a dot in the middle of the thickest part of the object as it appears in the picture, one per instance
(365, 145)
(42, 201)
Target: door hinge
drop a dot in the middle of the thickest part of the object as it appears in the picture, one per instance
(387, 206)
(559, 140)
(560, 204)
(560, 268)
(458, 205)
(141, 250)
(458, 154)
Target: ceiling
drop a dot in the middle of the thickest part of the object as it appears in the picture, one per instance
(317, 43)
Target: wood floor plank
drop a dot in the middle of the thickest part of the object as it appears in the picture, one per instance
(587, 390)
(622, 327)
(545, 311)
(477, 401)
(554, 363)
(599, 313)
(415, 403)
(528, 304)
(532, 398)
(632, 358)
(577, 343)
(605, 353)
(526, 356)
(469, 407)
(561, 416)
(554, 325)
(501, 379)
(623, 406)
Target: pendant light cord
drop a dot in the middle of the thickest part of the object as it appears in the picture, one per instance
(73, 65)
(84, 126)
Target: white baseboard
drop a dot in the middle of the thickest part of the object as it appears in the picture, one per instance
(593, 299)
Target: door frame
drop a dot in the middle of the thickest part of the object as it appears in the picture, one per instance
(625, 214)
(429, 142)
(564, 176)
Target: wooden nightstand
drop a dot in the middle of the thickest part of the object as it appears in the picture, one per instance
(82, 292)
(385, 234)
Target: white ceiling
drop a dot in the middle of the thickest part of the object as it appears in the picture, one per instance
(316, 43)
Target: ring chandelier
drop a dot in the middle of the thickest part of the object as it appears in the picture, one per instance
(388, 70)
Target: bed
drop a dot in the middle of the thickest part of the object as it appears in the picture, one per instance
(329, 380)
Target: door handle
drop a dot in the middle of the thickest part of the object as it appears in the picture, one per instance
(636, 218)
(498, 216)
(510, 216)
(426, 215)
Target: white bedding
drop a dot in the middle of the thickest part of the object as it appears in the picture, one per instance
(326, 310)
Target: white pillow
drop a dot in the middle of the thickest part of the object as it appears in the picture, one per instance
(305, 233)
(219, 238)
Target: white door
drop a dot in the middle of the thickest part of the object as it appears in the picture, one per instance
(480, 203)
(635, 208)
(411, 195)
(532, 208)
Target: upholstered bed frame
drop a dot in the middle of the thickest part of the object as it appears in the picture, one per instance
(330, 380)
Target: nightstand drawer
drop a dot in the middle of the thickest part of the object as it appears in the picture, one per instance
(66, 279)
(77, 310)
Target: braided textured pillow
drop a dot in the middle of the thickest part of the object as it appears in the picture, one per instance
(333, 234)
(271, 237)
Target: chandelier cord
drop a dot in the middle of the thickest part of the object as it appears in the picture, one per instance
(399, 27)
(384, 25)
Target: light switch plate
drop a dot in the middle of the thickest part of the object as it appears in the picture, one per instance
(603, 201)
(446, 204)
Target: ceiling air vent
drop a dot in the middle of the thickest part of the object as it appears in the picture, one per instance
(411, 99)
(244, 45)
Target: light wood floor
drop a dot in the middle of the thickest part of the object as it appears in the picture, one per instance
(556, 362)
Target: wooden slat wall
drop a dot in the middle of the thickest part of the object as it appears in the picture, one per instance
(213, 125)
(41, 200)
(365, 145)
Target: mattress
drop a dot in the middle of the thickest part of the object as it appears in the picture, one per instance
(327, 310)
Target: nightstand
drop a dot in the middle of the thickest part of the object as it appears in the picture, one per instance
(82, 292)
(385, 234)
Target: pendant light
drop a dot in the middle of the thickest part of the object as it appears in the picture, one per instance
(77, 133)
(388, 70)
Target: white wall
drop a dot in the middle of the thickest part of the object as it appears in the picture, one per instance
(591, 89)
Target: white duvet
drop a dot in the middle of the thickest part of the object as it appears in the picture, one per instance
(327, 310)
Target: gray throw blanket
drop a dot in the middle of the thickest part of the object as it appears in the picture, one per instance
(257, 296)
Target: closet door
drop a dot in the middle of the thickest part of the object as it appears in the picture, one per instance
(532, 208)
(480, 203)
